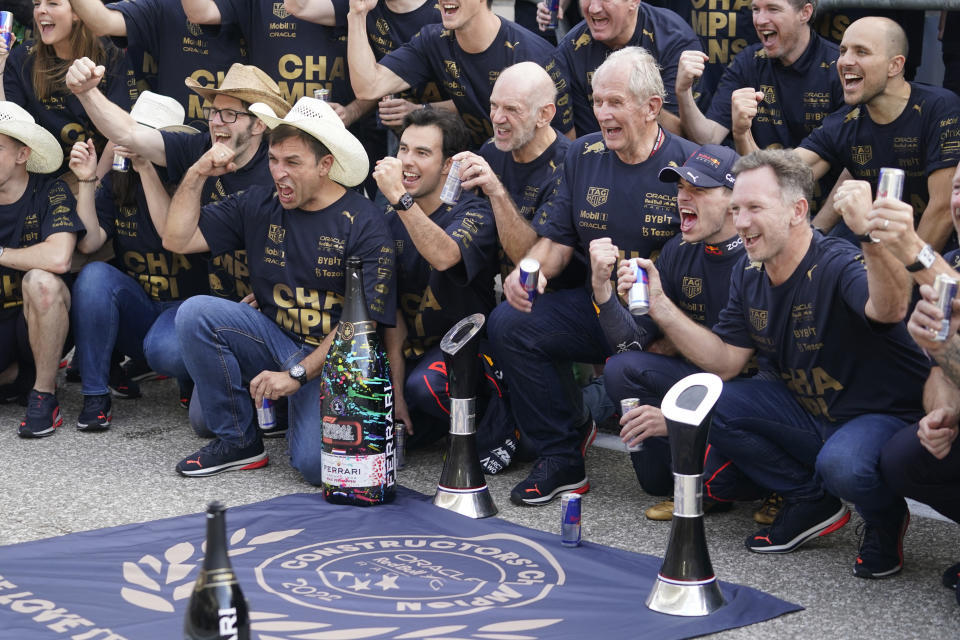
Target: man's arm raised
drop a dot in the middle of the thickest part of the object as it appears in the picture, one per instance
(202, 11)
(696, 126)
(182, 232)
(318, 11)
(370, 80)
(82, 79)
(99, 19)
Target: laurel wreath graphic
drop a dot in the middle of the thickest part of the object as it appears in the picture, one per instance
(155, 584)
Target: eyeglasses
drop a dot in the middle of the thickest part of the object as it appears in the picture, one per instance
(227, 116)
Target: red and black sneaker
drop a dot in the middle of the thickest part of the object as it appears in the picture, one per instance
(881, 547)
(799, 522)
(549, 478)
(218, 456)
(43, 415)
(951, 576)
(96, 414)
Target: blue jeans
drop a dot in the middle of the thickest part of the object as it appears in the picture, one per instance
(535, 351)
(772, 440)
(111, 310)
(224, 343)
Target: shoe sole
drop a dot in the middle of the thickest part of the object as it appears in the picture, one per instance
(26, 433)
(591, 436)
(253, 462)
(91, 427)
(871, 575)
(831, 524)
(123, 395)
(580, 487)
(278, 433)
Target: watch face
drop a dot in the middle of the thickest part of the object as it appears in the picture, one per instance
(927, 256)
(297, 371)
(406, 201)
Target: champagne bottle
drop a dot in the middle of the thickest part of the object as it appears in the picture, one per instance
(217, 609)
(358, 457)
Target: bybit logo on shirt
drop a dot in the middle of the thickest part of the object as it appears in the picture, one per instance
(861, 153)
(596, 196)
(758, 318)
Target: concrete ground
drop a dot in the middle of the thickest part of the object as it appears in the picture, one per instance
(77, 481)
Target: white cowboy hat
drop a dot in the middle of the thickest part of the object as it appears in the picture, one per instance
(317, 118)
(46, 155)
(160, 112)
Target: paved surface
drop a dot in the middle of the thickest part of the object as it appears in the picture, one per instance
(76, 481)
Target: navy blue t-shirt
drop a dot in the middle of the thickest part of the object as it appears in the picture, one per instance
(139, 251)
(433, 301)
(229, 275)
(924, 138)
(812, 330)
(299, 55)
(598, 195)
(468, 78)
(660, 31)
(298, 258)
(46, 207)
(176, 48)
(62, 114)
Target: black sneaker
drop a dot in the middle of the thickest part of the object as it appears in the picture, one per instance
(951, 576)
(185, 390)
(140, 371)
(218, 456)
(881, 548)
(549, 478)
(73, 373)
(798, 522)
(43, 415)
(121, 385)
(96, 413)
(588, 433)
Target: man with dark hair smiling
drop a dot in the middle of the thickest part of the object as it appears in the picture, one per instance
(307, 218)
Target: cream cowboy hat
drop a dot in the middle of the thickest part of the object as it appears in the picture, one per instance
(247, 83)
(160, 112)
(317, 118)
(46, 155)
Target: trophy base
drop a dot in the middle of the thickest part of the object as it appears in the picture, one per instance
(685, 599)
(474, 503)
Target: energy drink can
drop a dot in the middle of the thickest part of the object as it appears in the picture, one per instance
(946, 288)
(625, 405)
(322, 94)
(639, 297)
(554, 6)
(265, 414)
(529, 276)
(6, 28)
(400, 444)
(890, 184)
(570, 520)
(451, 188)
(120, 163)
(380, 124)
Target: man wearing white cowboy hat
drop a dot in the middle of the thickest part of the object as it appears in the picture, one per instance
(38, 232)
(128, 308)
(305, 221)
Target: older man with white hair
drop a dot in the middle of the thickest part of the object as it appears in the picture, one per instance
(308, 217)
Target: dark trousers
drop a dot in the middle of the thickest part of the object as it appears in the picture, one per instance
(912, 471)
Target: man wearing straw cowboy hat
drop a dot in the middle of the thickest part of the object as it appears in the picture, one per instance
(38, 232)
(297, 235)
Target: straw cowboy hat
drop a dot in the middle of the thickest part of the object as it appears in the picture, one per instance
(160, 112)
(245, 82)
(46, 155)
(317, 118)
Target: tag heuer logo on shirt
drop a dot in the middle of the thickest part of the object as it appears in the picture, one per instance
(862, 154)
(451, 68)
(276, 233)
(758, 318)
(691, 287)
(769, 95)
(596, 196)
(194, 29)
(280, 11)
(382, 26)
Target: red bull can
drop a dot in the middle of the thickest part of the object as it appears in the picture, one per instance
(451, 188)
(946, 288)
(322, 94)
(400, 445)
(890, 184)
(529, 276)
(639, 297)
(120, 163)
(6, 29)
(265, 414)
(625, 405)
(554, 6)
(570, 513)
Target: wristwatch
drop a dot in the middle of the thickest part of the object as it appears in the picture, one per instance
(298, 373)
(406, 201)
(924, 259)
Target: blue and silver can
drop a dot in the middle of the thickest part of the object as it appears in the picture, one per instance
(529, 270)
(570, 513)
(890, 183)
(625, 405)
(6, 28)
(265, 414)
(639, 298)
(400, 444)
(322, 94)
(554, 6)
(946, 288)
(120, 163)
(451, 188)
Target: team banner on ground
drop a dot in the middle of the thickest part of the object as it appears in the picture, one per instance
(316, 571)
